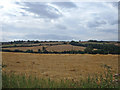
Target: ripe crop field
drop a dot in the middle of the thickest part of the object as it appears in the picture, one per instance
(57, 66)
(65, 48)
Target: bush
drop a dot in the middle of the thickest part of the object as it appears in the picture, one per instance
(17, 50)
(29, 51)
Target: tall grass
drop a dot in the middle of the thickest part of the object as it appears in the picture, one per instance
(103, 80)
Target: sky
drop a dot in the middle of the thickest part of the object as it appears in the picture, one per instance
(58, 20)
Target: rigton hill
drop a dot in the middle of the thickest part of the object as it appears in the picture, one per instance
(62, 47)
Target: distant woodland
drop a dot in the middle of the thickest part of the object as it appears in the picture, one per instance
(91, 46)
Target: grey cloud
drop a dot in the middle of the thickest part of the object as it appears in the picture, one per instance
(96, 23)
(114, 22)
(109, 31)
(48, 37)
(23, 14)
(109, 17)
(61, 26)
(17, 3)
(114, 4)
(11, 37)
(66, 28)
(65, 4)
(43, 10)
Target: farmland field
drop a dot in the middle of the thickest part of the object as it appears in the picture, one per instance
(50, 48)
(57, 66)
(59, 44)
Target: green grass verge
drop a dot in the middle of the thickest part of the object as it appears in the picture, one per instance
(105, 80)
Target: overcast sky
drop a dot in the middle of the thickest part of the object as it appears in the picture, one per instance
(58, 20)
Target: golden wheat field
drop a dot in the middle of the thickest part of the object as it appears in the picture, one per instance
(60, 48)
(57, 66)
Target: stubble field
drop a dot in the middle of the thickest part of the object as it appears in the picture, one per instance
(57, 66)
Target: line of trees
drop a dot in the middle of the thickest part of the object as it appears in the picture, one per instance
(28, 41)
(44, 52)
(101, 48)
(19, 46)
(29, 45)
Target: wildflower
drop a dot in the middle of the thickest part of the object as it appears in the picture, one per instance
(116, 75)
(116, 80)
(98, 82)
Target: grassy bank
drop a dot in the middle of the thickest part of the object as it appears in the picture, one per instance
(105, 80)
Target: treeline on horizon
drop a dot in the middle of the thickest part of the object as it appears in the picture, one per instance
(100, 48)
(37, 41)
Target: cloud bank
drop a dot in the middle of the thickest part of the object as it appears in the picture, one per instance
(58, 20)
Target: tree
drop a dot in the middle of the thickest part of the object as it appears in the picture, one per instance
(44, 49)
(39, 50)
(92, 40)
(88, 49)
(64, 42)
(29, 51)
(28, 41)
